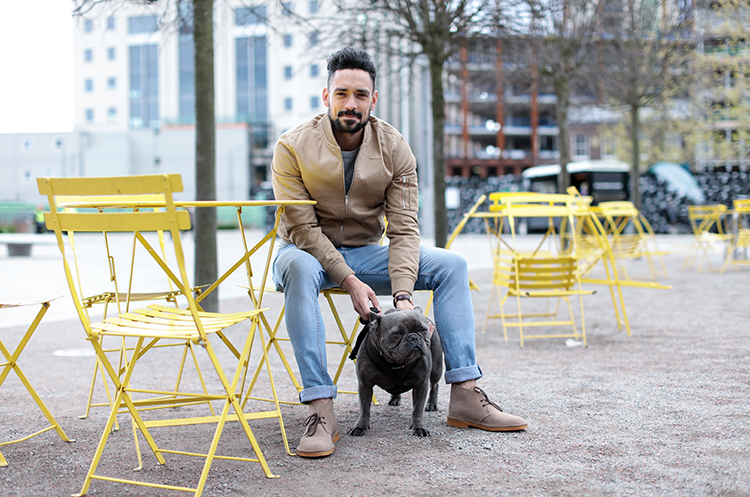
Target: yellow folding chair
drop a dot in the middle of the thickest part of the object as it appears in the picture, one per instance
(11, 364)
(549, 270)
(123, 299)
(640, 243)
(148, 327)
(708, 234)
(740, 237)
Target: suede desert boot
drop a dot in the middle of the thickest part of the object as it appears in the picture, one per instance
(321, 431)
(472, 407)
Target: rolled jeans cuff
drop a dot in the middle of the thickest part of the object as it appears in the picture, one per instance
(320, 392)
(463, 374)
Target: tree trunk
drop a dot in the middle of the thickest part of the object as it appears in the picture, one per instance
(635, 177)
(563, 139)
(438, 150)
(206, 266)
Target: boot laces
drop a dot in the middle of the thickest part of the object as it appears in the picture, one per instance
(312, 422)
(486, 400)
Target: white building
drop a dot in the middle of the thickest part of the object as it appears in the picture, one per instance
(134, 95)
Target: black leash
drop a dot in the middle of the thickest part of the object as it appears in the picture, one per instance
(362, 335)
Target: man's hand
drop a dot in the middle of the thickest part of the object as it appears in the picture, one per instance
(362, 295)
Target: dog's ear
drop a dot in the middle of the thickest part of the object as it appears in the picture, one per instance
(374, 318)
(417, 308)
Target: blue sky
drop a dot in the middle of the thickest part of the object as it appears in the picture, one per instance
(36, 66)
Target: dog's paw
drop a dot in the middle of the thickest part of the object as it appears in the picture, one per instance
(357, 431)
(420, 432)
(431, 408)
(395, 400)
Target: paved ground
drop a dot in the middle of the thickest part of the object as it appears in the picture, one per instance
(663, 412)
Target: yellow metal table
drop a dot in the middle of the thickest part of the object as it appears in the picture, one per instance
(11, 363)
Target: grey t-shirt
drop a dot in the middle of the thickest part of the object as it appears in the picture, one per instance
(350, 157)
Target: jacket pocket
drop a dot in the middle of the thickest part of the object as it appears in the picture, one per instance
(409, 192)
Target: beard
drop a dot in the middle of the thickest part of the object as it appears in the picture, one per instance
(339, 125)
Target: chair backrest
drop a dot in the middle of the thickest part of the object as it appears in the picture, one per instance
(103, 295)
(704, 217)
(534, 274)
(742, 206)
(109, 197)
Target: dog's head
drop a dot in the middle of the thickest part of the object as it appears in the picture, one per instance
(400, 336)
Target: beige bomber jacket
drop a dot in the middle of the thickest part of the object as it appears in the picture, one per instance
(307, 165)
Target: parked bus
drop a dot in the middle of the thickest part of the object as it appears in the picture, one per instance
(604, 180)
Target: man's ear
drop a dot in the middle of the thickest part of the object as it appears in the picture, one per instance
(325, 97)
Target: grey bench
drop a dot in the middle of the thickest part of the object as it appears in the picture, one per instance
(19, 244)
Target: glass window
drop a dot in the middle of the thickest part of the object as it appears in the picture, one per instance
(89, 115)
(252, 81)
(110, 23)
(314, 102)
(111, 83)
(111, 53)
(88, 85)
(314, 71)
(314, 38)
(287, 41)
(88, 25)
(112, 114)
(581, 146)
(186, 63)
(288, 103)
(88, 55)
(287, 8)
(609, 146)
(246, 16)
(313, 7)
(144, 86)
(143, 24)
(287, 72)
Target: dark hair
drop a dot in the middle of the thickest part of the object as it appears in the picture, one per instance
(351, 58)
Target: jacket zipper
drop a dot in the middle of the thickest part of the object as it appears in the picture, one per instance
(346, 214)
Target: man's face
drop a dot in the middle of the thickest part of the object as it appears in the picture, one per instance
(350, 98)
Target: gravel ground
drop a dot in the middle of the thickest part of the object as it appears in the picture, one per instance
(663, 412)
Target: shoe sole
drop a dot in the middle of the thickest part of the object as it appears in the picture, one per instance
(320, 454)
(465, 424)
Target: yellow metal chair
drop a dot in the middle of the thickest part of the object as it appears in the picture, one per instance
(704, 220)
(740, 237)
(640, 243)
(123, 299)
(11, 364)
(147, 327)
(552, 277)
(549, 270)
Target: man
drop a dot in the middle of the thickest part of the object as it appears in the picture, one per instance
(360, 169)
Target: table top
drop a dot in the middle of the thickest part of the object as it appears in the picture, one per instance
(114, 204)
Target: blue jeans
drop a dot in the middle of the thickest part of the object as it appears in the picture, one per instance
(301, 277)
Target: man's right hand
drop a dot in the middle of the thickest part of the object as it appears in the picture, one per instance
(362, 295)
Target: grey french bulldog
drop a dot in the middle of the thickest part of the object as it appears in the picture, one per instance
(399, 353)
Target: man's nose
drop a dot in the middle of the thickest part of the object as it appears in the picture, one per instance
(351, 102)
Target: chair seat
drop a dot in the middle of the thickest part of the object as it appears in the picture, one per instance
(167, 322)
